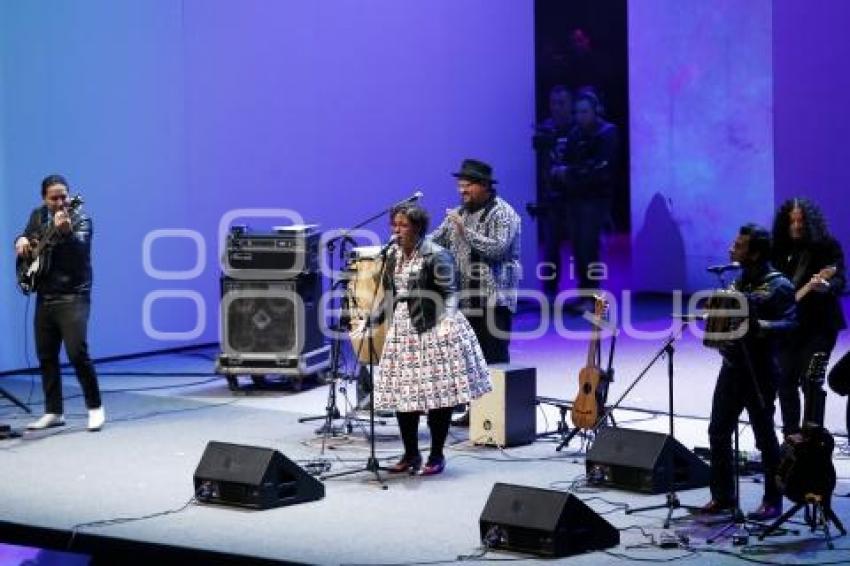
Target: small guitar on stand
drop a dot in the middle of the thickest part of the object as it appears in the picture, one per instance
(592, 381)
(806, 474)
(31, 268)
(823, 275)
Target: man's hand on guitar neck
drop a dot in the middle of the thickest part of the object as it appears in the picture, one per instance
(818, 284)
(62, 220)
(23, 247)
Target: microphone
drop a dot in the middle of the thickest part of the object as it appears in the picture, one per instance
(393, 239)
(723, 268)
(415, 197)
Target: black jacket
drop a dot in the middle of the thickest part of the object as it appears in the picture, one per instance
(429, 296)
(591, 160)
(69, 261)
(817, 312)
(772, 316)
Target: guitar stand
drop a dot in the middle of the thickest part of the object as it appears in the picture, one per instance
(607, 416)
(818, 515)
(608, 412)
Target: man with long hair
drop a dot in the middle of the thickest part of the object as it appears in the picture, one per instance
(813, 260)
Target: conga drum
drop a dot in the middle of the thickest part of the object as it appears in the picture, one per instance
(363, 295)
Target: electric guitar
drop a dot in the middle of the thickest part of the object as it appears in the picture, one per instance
(32, 267)
(590, 401)
(824, 274)
(805, 466)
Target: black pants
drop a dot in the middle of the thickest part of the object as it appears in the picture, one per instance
(64, 319)
(733, 393)
(495, 349)
(438, 423)
(795, 363)
(586, 218)
(555, 231)
(839, 382)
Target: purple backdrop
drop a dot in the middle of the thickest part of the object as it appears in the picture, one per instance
(811, 87)
(167, 115)
(701, 127)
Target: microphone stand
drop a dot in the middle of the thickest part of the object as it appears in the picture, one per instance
(347, 233)
(672, 501)
(372, 464)
(331, 411)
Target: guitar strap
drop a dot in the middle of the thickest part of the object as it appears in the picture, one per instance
(799, 277)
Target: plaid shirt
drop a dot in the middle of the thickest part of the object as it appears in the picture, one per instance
(496, 242)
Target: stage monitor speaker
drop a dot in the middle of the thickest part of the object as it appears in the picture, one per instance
(638, 460)
(506, 415)
(252, 476)
(543, 522)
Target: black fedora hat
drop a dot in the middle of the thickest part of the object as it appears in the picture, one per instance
(474, 170)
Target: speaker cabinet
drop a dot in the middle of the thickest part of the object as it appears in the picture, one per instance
(272, 326)
(542, 521)
(506, 415)
(648, 462)
(251, 476)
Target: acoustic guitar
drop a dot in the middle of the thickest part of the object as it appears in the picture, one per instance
(805, 465)
(589, 401)
(824, 274)
(31, 268)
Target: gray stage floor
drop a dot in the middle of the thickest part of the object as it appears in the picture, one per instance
(143, 461)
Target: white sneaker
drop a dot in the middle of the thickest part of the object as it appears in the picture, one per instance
(96, 418)
(47, 420)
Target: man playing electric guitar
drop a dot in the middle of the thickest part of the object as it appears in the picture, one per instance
(64, 300)
(806, 253)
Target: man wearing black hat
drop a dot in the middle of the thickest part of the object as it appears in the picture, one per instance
(484, 236)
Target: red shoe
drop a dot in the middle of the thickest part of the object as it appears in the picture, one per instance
(410, 465)
(715, 507)
(434, 467)
(766, 512)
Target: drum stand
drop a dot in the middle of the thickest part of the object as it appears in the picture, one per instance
(372, 464)
(331, 411)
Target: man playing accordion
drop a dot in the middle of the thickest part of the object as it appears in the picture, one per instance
(750, 372)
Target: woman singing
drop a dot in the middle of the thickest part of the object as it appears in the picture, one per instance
(431, 359)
